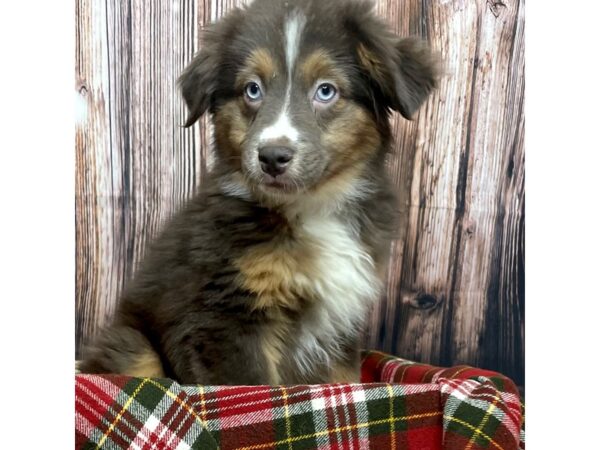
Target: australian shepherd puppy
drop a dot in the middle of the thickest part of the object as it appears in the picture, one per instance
(267, 275)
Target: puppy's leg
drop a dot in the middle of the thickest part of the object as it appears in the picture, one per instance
(347, 368)
(122, 350)
(224, 358)
(342, 373)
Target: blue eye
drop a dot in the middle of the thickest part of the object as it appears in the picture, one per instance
(253, 92)
(325, 92)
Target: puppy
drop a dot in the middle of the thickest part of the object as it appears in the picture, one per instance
(266, 276)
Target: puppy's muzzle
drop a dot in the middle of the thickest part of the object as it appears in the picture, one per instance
(275, 160)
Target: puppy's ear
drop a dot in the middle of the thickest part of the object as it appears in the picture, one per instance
(403, 71)
(415, 75)
(200, 80)
(198, 83)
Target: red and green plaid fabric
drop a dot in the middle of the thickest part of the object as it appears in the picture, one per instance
(399, 405)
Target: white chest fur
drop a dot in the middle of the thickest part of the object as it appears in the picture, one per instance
(345, 282)
(342, 277)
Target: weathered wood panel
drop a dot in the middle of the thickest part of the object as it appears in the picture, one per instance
(455, 292)
(135, 163)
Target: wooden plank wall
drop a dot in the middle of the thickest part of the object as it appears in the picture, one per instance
(455, 291)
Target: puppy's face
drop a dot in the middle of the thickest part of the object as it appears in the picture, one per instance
(300, 91)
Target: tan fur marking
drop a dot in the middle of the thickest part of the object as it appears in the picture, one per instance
(146, 365)
(277, 272)
(344, 374)
(320, 65)
(273, 337)
(231, 127)
(337, 183)
(352, 138)
(273, 356)
(261, 63)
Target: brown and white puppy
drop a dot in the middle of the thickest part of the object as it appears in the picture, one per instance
(267, 274)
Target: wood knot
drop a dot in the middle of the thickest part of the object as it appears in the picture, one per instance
(83, 90)
(420, 300)
(471, 228)
(495, 6)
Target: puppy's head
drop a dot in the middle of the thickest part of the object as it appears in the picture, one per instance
(300, 91)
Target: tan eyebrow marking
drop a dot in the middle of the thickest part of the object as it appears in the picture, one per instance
(320, 65)
(259, 62)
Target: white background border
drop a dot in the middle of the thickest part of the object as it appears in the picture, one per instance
(37, 240)
(37, 224)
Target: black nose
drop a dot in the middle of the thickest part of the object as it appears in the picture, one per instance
(275, 160)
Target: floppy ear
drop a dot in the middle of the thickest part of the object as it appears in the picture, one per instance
(198, 84)
(415, 75)
(200, 80)
(403, 71)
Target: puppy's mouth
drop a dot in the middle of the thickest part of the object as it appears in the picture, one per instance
(279, 184)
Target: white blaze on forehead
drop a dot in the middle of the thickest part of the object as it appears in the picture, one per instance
(283, 128)
(294, 26)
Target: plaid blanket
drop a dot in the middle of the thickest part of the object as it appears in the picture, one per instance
(399, 405)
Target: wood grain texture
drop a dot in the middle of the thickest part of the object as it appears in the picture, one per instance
(455, 291)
